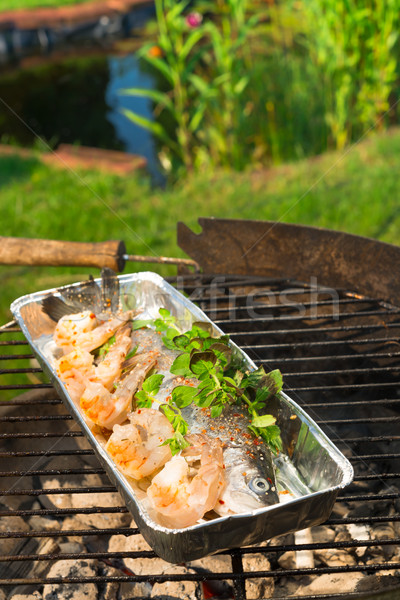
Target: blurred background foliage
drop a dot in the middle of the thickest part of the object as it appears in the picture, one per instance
(245, 82)
(241, 86)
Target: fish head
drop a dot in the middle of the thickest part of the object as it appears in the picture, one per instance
(250, 483)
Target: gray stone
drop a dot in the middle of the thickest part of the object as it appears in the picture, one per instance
(184, 590)
(71, 547)
(60, 501)
(111, 589)
(215, 564)
(286, 587)
(343, 535)
(287, 560)
(330, 583)
(11, 545)
(45, 546)
(360, 533)
(67, 591)
(71, 522)
(107, 499)
(281, 540)
(132, 591)
(39, 523)
(384, 531)
(259, 587)
(323, 534)
(335, 557)
(137, 543)
(377, 582)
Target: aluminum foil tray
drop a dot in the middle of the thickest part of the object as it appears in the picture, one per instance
(310, 466)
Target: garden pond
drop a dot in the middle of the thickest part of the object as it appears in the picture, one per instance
(74, 95)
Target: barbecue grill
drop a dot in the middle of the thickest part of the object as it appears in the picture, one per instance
(322, 306)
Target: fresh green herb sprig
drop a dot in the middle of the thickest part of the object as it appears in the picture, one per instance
(151, 386)
(146, 397)
(199, 336)
(174, 416)
(209, 360)
(165, 323)
(260, 386)
(214, 389)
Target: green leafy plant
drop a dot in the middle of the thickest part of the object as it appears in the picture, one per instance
(203, 59)
(174, 416)
(146, 396)
(353, 45)
(221, 382)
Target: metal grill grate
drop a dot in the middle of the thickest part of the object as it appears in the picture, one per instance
(339, 354)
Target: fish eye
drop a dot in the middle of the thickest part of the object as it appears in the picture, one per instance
(259, 485)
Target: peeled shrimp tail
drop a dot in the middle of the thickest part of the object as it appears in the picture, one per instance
(75, 369)
(110, 368)
(101, 334)
(180, 501)
(83, 330)
(211, 469)
(137, 448)
(71, 327)
(107, 409)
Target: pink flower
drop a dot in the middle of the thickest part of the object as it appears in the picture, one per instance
(193, 20)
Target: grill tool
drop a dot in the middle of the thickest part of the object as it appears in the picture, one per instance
(112, 254)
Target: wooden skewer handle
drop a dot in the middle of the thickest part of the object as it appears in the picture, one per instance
(25, 251)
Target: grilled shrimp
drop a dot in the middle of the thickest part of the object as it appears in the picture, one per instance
(136, 448)
(178, 497)
(110, 368)
(70, 328)
(75, 369)
(83, 330)
(107, 408)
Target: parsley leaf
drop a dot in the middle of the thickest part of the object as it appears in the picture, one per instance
(146, 396)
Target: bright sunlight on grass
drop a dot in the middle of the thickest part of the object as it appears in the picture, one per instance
(357, 191)
(19, 4)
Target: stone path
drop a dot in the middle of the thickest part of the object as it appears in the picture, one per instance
(79, 13)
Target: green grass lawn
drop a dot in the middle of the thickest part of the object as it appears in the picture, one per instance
(18, 4)
(357, 191)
